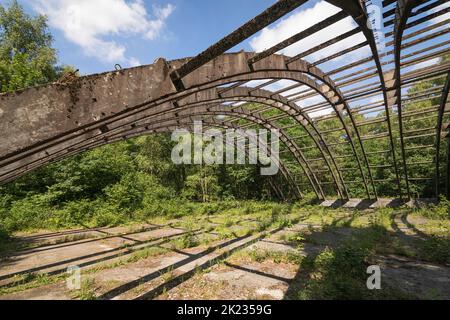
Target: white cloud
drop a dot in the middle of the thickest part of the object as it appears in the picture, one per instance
(91, 24)
(281, 84)
(156, 25)
(314, 100)
(321, 113)
(134, 62)
(422, 65)
(442, 17)
(302, 20)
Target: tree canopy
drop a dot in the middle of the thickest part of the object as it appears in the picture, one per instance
(27, 57)
(137, 177)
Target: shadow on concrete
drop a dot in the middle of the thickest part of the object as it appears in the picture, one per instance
(407, 278)
(115, 253)
(189, 274)
(181, 278)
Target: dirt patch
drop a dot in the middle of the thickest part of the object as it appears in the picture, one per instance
(50, 292)
(419, 279)
(261, 268)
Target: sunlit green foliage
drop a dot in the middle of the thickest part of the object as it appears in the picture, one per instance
(26, 54)
(136, 179)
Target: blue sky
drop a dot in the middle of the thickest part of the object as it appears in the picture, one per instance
(94, 35)
(192, 26)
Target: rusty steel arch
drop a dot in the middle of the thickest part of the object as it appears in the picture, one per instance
(238, 69)
(134, 131)
(277, 101)
(361, 17)
(209, 110)
(136, 124)
(264, 97)
(61, 118)
(442, 106)
(162, 129)
(402, 12)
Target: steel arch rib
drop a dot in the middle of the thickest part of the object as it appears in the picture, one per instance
(98, 143)
(322, 195)
(285, 172)
(129, 97)
(41, 162)
(269, 99)
(207, 110)
(251, 117)
(442, 105)
(275, 65)
(176, 123)
(292, 106)
(299, 77)
(402, 12)
(355, 9)
(230, 65)
(101, 137)
(341, 100)
(292, 146)
(102, 143)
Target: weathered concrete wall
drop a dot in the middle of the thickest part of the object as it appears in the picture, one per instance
(40, 123)
(32, 116)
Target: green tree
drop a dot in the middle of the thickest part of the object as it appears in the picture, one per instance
(26, 54)
(202, 185)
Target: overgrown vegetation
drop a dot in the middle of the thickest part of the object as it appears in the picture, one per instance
(339, 270)
(128, 181)
(340, 273)
(336, 271)
(87, 291)
(113, 185)
(136, 181)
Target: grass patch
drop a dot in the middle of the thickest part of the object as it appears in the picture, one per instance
(224, 233)
(262, 255)
(336, 273)
(289, 256)
(87, 290)
(30, 281)
(187, 241)
(296, 238)
(435, 249)
(340, 274)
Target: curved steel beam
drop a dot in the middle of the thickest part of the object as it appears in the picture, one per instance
(280, 99)
(402, 12)
(209, 110)
(228, 66)
(359, 14)
(276, 101)
(237, 65)
(41, 162)
(59, 157)
(41, 122)
(135, 125)
(212, 123)
(442, 106)
(268, 68)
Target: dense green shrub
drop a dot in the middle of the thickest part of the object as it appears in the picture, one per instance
(3, 234)
(127, 194)
(76, 213)
(31, 212)
(440, 211)
(108, 215)
(340, 273)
